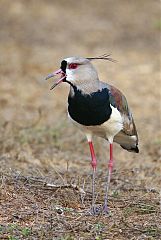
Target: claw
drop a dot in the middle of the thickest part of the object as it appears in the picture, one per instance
(95, 210)
(105, 210)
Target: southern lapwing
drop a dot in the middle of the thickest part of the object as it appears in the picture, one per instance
(97, 108)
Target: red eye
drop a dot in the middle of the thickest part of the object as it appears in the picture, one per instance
(73, 65)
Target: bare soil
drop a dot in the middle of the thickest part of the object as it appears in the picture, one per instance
(45, 189)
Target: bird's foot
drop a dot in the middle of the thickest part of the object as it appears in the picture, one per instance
(95, 210)
(105, 210)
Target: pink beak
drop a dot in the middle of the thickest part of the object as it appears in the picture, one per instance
(63, 76)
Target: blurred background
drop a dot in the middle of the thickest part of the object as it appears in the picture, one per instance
(35, 36)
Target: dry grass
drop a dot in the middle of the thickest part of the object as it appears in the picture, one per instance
(59, 210)
(45, 171)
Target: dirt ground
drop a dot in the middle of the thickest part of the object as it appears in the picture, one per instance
(45, 170)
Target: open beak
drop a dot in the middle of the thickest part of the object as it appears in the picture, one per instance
(63, 76)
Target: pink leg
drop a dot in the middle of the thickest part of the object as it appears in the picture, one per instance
(110, 167)
(94, 161)
(94, 164)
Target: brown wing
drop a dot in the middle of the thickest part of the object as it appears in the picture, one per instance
(118, 100)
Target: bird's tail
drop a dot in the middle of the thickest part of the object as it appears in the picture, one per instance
(132, 149)
(127, 142)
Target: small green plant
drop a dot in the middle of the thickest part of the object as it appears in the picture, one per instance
(115, 194)
(66, 209)
(152, 231)
(67, 238)
(140, 209)
(12, 238)
(12, 227)
(145, 209)
(98, 238)
(99, 226)
(26, 231)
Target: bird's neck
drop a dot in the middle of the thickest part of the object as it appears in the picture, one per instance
(86, 87)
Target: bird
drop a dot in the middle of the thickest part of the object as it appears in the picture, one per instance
(97, 109)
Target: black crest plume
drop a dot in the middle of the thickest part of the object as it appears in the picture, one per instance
(103, 57)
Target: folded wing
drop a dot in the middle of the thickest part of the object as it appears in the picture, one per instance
(127, 137)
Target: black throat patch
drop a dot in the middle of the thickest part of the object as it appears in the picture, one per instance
(89, 110)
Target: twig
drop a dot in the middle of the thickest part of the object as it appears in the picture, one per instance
(74, 186)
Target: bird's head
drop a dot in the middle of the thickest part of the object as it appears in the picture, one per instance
(78, 72)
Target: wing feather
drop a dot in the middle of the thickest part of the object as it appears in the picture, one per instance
(118, 100)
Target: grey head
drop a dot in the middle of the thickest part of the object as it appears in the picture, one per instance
(79, 72)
